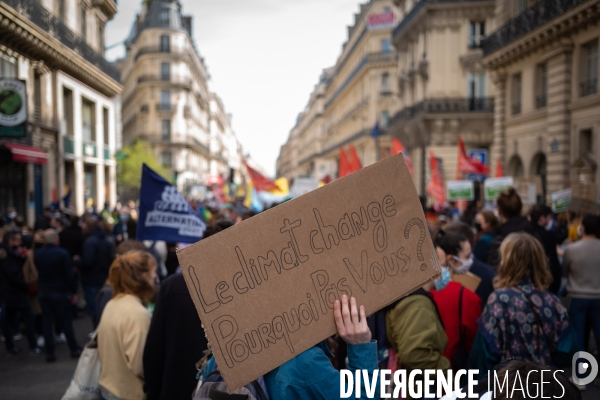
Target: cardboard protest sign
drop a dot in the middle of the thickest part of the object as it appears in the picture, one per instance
(460, 190)
(493, 187)
(265, 288)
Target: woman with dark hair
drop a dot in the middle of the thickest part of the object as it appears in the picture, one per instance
(522, 319)
(124, 326)
(459, 307)
(486, 224)
(509, 209)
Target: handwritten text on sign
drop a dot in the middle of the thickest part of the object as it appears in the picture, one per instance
(265, 288)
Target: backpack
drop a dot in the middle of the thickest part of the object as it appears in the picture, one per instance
(212, 386)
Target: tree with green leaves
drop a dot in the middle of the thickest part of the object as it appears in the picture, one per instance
(130, 160)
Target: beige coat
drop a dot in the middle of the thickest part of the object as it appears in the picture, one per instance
(121, 339)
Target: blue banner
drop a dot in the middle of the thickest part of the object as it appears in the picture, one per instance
(164, 214)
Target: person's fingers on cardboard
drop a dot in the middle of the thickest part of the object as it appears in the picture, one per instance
(354, 313)
(363, 319)
(339, 321)
(346, 313)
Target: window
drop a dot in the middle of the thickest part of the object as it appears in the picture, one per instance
(87, 121)
(385, 83)
(106, 125)
(100, 37)
(166, 159)
(62, 10)
(476, 81)
(589, 81)
(585, 141)
(165, 99)
(67, 120)
(520, 6)
(166, 130)
(165, 44)
(164, 18)
(82, 21)
(385, 46)
(165, 71)
(8, 66)
(542, 86)
(385, 118)
(516, 95)
(476, 34)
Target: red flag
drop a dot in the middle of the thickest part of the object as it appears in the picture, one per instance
(344, 165)
(499, 169)
(397, 148)
(261, 183)
(469, 164)
(355, 164)
(435, 188)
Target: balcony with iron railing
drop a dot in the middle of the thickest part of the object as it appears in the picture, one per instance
(420, 6)
(482, 105)
(170, 51)
(516, 108)
(173, 80)
(49, 22)
(538, 14)
(541, 100)
(588, 87)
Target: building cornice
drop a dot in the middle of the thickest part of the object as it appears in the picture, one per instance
(20, 33)
(109, 7)
(530, 31)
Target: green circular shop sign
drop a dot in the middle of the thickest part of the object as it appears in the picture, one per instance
(13, 110)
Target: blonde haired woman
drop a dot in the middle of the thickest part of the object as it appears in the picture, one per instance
(522, 319)
(124, 326)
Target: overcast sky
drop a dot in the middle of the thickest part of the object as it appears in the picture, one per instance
(264, 58)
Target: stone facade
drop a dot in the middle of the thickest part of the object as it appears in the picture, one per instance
(167, 100)
(547, 116)
(444, 89)
(347, 102)
(57, 47)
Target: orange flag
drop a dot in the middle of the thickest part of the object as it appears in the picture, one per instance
(355, 164)
(435, 188)
(469, 164)
(398, 147)
(499, 169)
(344, 165)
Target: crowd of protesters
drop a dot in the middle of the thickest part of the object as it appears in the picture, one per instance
(515, 284)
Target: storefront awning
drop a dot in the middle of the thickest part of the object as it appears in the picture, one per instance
(26, 154)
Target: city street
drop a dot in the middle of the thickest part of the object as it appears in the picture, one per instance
(23, 377)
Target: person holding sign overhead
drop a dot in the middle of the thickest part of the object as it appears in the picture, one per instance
(310, 375)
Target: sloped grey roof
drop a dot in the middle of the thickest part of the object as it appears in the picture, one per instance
(161, 14)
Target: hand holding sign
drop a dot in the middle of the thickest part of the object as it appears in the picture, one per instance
(350, 328)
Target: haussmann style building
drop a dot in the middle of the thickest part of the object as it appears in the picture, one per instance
(543, 59)
(167, 100)
(64, 142)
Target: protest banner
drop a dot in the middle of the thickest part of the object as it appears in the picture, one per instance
(460, 190)
(164, 213)
(529, 189)
(584, 198)
(265, 288)
(493, 187)
(561, 201)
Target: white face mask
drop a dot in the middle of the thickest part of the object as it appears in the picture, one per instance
(464, 267)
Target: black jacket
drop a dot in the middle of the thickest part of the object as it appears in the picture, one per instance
(96, 257)
(174, 345)
(548, 240)
(71, 239)
(513, 225)
(486, 286)
(13, 288)
(55, 271)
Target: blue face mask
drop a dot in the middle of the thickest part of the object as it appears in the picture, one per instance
(123, 217)
(444, 279)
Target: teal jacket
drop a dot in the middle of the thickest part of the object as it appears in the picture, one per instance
(310, 375)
